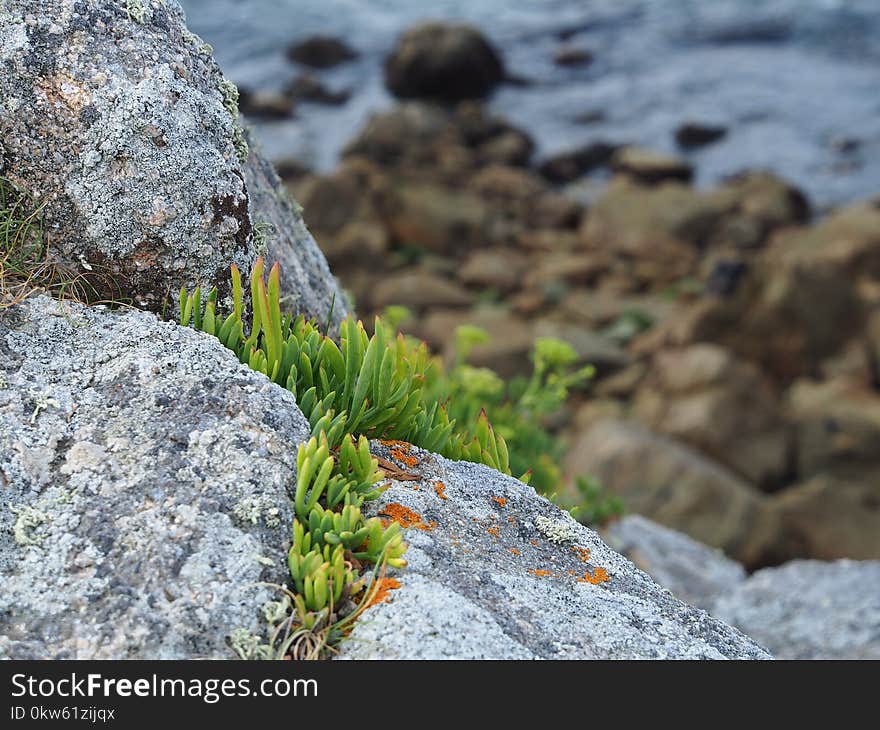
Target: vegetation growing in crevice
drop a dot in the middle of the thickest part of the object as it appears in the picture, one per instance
(26, 265)
(365, 387)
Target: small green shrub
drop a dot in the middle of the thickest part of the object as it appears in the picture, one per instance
(596, 505)
(519, 408)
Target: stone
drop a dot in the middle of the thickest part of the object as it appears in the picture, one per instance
(810, 610)
(435, 217)
(443, 143)
(360, 243)
(837, 424)
(126, 131)
(266, 105)
(122, 126)
(308, 88)
(693, 572)
(696, 134)
(580, 269)
(832, 515)
(510, 337)
(848, 241)
(418, 290)
(497, 269)
(675, 486)
(321, 52)
(721, 405)
(649, 168)
(445, 61)
(572, 56)
(659, 229)
(501, 573)
(145, 477)
(565, 167)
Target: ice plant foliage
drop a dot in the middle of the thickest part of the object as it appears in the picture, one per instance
(365, 387)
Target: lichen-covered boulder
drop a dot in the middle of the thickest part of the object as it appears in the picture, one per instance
(497, 572)
(118, 122)
(808, 609)
(144, 476)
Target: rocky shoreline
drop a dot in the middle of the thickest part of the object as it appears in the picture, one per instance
(736, 333)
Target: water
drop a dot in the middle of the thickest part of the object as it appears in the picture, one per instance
(791, 79)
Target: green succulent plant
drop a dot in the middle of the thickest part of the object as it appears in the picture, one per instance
(361, 388)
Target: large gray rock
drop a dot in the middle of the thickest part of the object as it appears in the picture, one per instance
(496, 571)
(144, 477)
(810, 610)
(695, 573)
(118, 121)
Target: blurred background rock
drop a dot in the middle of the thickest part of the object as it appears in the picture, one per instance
(686, 192)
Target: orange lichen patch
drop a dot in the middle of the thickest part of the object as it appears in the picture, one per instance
(501, 501)
(511, 520)
(599, 575)
(385, 585)
(582, 553)
(535, 543)
(440, 488)
(515, 551)
(541, 573)
(494, 531)
(399, 450)
(405, 517)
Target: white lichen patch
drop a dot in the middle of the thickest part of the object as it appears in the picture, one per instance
(253, 509)
(557, 531)
(27, 520)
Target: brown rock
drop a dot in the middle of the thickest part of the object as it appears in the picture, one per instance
(724, 407)
(828, 517)
(510, 338)
(498, 269)
(572, 268)
(649, 168)
(418, 290)
(675, 486)
(837, 425)
(437, 218)
(847, 241)
(659, 229)
(359, 243)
